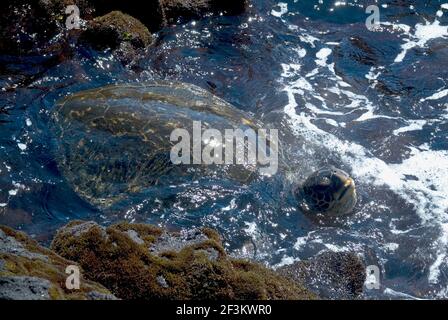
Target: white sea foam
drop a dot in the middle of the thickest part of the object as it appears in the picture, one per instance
(17, 187)
(286, 260)
(251, 228)
(22, 146)
(391, 246)
(283, 9)
(422, 35)
(412, 126)
(397, 294)
(322, 56)
(434, 270)
(301, 242)
(436, 96)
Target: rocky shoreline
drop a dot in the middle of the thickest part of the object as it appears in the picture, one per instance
(50, 27)
(144, 262)
(29, 271)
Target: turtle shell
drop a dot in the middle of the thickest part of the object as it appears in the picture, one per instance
(114, 141)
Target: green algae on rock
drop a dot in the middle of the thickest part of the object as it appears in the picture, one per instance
(116, 27)
(138, 261)
(118, 31)
(31, 272)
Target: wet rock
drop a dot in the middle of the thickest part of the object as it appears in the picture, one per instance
(114, 28)
(79, 229)
(211, 253)
(33, 26)
(39, 26)
(168, 265)
(148, 12)
(29, 271)
(247, 251)
(135, 237)
(177, 241)
(120, 32)
(14, 218)
(331, 275)
(24, 288)
(182, 10)
(17, 28)
(156, 14)
(177, 10)
(173, 241)
(162, 282)
(95, 295)
(229, 7)
(9, 245)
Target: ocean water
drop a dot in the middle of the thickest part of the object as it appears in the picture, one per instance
(374, 103)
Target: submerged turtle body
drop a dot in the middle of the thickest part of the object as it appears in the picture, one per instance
(115, 140)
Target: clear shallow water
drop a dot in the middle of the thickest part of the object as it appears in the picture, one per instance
(372, 103)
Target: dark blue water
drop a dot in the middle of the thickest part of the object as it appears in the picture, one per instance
(372, 103)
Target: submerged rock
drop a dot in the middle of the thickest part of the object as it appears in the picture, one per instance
(31, 272)
(331, 275)
(168, 265)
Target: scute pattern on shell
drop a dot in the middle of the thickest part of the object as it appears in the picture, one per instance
(115, 140)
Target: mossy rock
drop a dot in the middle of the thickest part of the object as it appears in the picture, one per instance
(29, 271)
(148, 12)
(138, 261)
(114, 28)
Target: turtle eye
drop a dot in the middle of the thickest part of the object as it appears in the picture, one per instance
(324, 182)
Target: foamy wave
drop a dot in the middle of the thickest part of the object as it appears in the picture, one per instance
(399, 295)
(427, 191)
(422, 35)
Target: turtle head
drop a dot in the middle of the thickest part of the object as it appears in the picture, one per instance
(328, 191)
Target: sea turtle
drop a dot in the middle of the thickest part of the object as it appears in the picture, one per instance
(114, 141)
